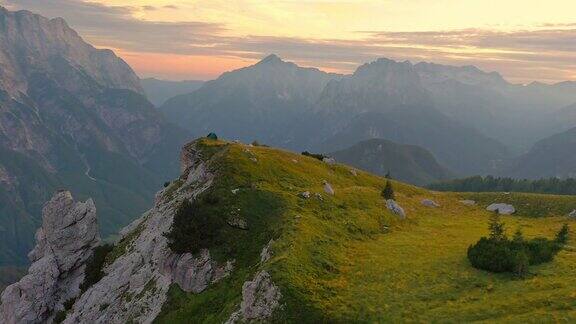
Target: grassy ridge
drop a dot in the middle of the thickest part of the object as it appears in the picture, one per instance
(346, 258)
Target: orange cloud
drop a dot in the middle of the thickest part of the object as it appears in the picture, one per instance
(181, 67)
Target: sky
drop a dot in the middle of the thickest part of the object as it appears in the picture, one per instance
(524, 40)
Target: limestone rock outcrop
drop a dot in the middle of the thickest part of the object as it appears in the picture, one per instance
(135, 285)
(66, 240)
(430, 203)
(328, 188)
(395, 208)
(502, 209)
(260, 297)
(468, 202)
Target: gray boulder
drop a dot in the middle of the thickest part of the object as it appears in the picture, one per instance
(430, 203)
(66, 240)
(260, 297)
(328, 188)
(305, 194)
(468, 202)
(502, 209)
(329, 160)
(572, 214)
(393, 206)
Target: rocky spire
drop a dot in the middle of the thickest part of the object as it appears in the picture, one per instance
(66, 240)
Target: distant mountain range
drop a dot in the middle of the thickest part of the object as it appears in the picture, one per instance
(407, 163)
(72, 116)
(472, 121)
(281, 104)
(158, 91)
(269, 101)
(554, 156)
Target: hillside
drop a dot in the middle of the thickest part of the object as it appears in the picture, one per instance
(268, 253)
(554, 156)
(407, 163)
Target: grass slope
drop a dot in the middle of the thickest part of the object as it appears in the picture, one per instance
(347, 259)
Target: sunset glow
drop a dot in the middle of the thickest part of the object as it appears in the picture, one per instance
(200, 39)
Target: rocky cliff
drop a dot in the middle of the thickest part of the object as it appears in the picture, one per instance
(31, 43)
(64, 243)
(139, 270)
(73, 116)
(137, 281)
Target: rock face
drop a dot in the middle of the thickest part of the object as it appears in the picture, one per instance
(502, 209)
(393, 206)
(260, 297)
(135, 283)
(194, 274)
(71, 111)
(430, 203)
(52, 39)
(66, 240)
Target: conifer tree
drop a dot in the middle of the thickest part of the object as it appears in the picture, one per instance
(497, 230)
(388, 191)
(562, 236)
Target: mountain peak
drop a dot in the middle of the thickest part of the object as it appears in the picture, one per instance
(271, 59)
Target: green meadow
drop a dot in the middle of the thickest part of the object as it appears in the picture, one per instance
(346, 258)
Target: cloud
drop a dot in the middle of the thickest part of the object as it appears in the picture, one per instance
(547, 53)
(116, 26)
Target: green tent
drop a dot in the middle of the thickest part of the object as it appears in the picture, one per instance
(212, 136)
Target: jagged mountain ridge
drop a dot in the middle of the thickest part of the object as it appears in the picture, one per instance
(50, 40)
(272, 103)
(265, 101)
(72, 116)
(459, 102)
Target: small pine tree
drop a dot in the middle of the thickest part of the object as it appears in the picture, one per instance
(562, 236)
(518, 237)
(388, 191)
(388, 175)
(497, 230)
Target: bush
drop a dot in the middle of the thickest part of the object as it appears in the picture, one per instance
(388, 191)
(562, 236)
(166, 184)
(499, 254)
(93, 272)
(194, 227)
(541, 250)
(256, 143)
(320, 157)
(491, 255)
